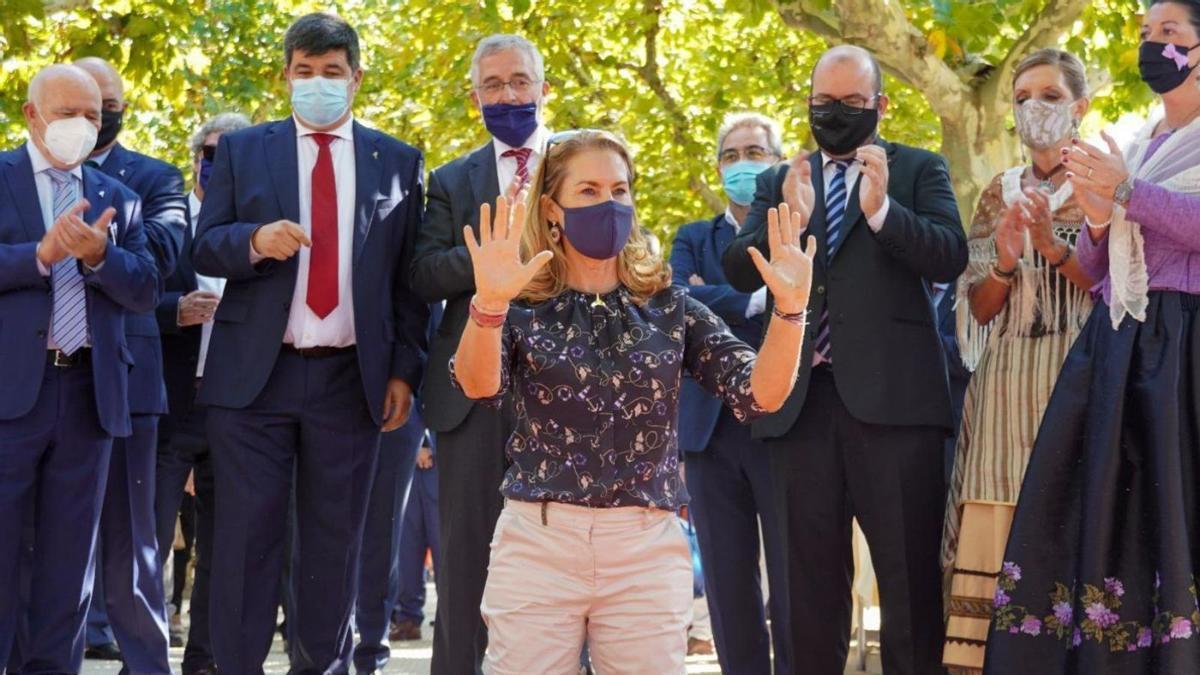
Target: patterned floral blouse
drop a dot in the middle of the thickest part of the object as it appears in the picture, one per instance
(595, 383)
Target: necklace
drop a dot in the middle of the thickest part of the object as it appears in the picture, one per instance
(597, 302)
(1045, 184)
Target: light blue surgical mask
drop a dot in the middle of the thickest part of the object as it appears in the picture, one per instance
(739, 179)
(320, 101)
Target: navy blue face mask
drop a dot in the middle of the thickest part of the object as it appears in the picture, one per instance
(599, 231)
(512, 124)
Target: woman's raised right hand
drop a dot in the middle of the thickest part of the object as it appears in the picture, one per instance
(1010, 238)
(500, 275)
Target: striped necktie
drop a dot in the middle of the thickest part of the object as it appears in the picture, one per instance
(68, 321)
(522, 157)
(835, 212)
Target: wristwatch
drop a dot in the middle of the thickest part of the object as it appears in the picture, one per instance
(1124, 193)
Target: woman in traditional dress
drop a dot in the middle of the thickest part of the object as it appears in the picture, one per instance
(1028, 300)
(1104, 554)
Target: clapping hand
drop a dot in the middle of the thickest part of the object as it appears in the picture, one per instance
(1095, 174)
(873, 191)
(1010, 238)
(798, 190)
(499, 273)
(788, 275)
(71, 236)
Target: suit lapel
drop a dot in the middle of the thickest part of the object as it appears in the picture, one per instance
(485, 184)
(19, 176)
(366, 176)
(119, 164)
(816, 223)
(280, 142)
(99, 197)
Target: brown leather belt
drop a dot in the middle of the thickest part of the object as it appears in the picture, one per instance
(317, 352)
(61, 359)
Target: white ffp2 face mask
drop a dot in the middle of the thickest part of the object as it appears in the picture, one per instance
(70, 139)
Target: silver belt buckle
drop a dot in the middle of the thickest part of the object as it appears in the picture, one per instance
(61, 359)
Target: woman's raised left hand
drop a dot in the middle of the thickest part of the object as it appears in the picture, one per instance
(788, 274)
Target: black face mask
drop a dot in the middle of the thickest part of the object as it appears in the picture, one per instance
(840, 129)
(1164, 66)
(110, 125)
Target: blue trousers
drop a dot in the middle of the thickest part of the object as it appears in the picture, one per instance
(310, 425)
(730, 486)
(54, 461)
(133, 601)
(421, 525)
(184, 452)
(379, 573)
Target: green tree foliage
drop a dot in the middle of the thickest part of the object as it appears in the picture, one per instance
(662, 73)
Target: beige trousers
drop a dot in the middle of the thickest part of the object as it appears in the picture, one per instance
(620, 578)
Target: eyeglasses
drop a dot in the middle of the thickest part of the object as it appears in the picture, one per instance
(208, 151)
(753, 153)
(519, 85)
(853, 104)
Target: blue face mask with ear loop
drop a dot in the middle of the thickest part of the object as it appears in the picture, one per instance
(739, 180)
(320, 101)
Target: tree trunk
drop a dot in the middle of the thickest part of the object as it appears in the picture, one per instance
(977, 145)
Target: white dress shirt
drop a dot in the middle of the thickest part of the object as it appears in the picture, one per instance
(304, 328)
(506, 167)
(203, 283)
(853, 171)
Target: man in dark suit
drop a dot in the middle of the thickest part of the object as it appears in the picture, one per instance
(379, 571)
(128, 554)
(728, 473)
(317, 346)
(509, 88)
(73, 264)
(185, 321)
(862, 434)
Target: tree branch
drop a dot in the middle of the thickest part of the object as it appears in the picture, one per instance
(1047, 27)
(680, 125)
(902, 50)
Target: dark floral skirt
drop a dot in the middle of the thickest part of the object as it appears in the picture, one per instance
(1103, 558)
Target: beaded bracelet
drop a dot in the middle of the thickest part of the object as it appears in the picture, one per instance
(798, 319)
(484, 319)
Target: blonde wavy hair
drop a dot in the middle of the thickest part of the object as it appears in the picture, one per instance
(642, 271)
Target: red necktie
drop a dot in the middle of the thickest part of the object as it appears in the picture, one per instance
(522, 155)
(323, 259)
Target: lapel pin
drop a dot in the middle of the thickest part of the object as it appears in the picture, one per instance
(121, 172)
(102, 194)
(375, 154)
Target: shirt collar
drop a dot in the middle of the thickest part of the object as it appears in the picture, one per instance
(41, 164)
(344, 131)
(536, 142)
(194, 205)
(826, 160)
(101, 158)
(729, 218)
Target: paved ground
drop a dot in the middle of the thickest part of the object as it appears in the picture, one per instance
(412, 658)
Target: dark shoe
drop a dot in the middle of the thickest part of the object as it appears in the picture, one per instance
(405, 631)
(108, 652)
(209, 670)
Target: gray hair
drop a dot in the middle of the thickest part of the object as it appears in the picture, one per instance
(223, 123)
(739, 120)
(501, 42)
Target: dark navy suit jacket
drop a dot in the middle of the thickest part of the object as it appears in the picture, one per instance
(442, 271)
(697, 250)
(959, 375)
(254, 182)
(126, 283)
(164, 214)
(180, 346)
